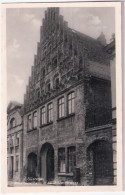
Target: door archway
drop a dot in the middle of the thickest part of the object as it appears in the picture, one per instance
(100, 157)
(47, 162)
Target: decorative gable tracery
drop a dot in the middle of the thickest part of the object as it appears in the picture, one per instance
(61, 50)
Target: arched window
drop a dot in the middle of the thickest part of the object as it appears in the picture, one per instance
(12, 123)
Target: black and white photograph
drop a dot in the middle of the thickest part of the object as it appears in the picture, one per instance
(61, 96)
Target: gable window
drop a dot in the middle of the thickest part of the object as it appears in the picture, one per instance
(48, 87)
(43, 116)
(61, 160)
(35, 120)
(57, 82)
(61, 107)
(43, 72)
(38, 94)
(71, 98)
(71, 158)
(29, 122)
(50, 112)
(12, 123)
(54, 62)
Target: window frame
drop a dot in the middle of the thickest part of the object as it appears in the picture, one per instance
(61, 105)
(35, 112)
(28, 129)
(12, 123)
(72, 100)
(44, 115)
(71, 158)
(50, 113)
(61, 157)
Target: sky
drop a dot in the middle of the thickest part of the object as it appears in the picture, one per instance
(23, 33)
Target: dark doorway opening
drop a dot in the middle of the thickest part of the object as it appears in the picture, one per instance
(47, 162)
(50, 164)
(32, 167)
(101, 161)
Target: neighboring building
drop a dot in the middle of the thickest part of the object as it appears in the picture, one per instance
(67, 134)
(14, 141)
(110, 48)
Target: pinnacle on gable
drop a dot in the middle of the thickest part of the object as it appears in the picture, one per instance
(102, 39)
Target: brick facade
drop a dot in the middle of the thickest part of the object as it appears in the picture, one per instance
(14, 142)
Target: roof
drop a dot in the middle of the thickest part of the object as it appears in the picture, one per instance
(13, 105)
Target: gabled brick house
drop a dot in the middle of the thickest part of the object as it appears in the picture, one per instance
(67, 119)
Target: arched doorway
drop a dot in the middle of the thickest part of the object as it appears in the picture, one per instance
(32, 167)
(47, 162)
(100, 157)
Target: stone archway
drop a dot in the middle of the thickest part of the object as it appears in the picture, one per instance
(32, 167)
(100, 162)
(47, 162)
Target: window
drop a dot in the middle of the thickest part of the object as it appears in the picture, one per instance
(17, 140)
(61, 160)
(12, 123)
(54, 62)
(11, 150)
(29, 122)
(7, 142)
(11, 143)
(43, 116)
(50, 112)
(35, 120)
(71, 158)
(43, 72)
(57, 82)
(61, 107)
(17, 163)
(48, 87)
(71, 98)
(38, 94)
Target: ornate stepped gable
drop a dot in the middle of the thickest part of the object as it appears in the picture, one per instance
(61, 59)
